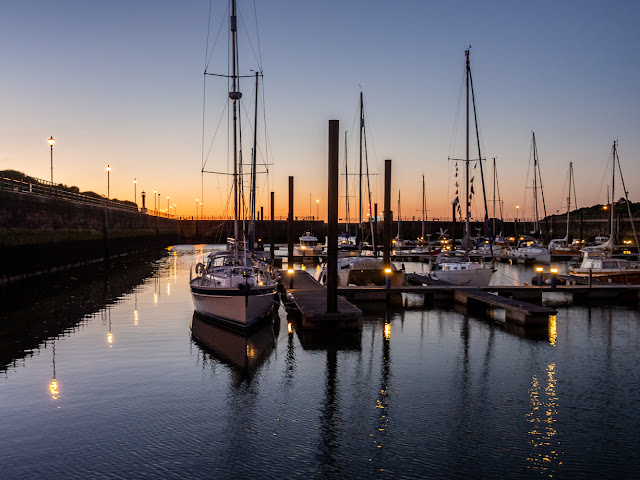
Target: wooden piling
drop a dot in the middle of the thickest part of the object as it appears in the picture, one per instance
(272, 230)
(386, 247)
(332, 219)
(290, 225)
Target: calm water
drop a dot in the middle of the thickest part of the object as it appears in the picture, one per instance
(417, 394)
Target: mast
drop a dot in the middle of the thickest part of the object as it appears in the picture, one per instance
(535, 183)
(424, 207)
(399, 237)
(234, 95)
(346, 186)
(613, 182)
(569, 201)
(466, 164)
(360, 232)
(252, 236)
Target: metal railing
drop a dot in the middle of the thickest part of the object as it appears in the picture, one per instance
(44, 188)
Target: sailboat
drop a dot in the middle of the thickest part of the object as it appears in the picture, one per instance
(233, 287)
(398, 241)
(598, 261)
(365, 270)
(530, 249)
(454, 268)
(561, 246)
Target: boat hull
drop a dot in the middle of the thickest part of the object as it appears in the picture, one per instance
(234, 307)
(622, 277)
(479, 277)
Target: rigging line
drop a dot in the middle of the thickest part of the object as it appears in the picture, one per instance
(484, 193)
(456, 119)
(206, 48)
(544, 207)
(267, 140)
(220, 30)
(255, 14)
(255, 56)
(206, 158)
(626, 196)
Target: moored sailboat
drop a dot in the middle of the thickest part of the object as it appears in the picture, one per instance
(454, 268)
(597, 260)
(233, 287)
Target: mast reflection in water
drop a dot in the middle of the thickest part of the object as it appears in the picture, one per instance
(415, 393)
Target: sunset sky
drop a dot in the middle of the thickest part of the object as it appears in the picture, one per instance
(121, 83)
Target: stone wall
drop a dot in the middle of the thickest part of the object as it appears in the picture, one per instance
(39, 234)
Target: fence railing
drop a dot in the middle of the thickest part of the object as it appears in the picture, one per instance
(44, 188)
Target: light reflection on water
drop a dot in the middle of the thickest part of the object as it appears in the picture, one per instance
(145, 388)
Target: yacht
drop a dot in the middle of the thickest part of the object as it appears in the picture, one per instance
(307, 246)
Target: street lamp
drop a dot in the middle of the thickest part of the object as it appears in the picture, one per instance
(51, 142)
(174, 210)
(108, 172)
(168, 204)
(517, 210)
(196, 208)
(135, 200)
(318, 209)
(155, 191)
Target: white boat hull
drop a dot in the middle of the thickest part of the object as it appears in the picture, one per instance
(233, 307)
(479, 277)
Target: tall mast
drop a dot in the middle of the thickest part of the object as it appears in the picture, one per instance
(569, 200)
(466, 163)
(399, 215)
(613, 182)
(360, 233)
(346, 185)
(424, 207)
(253, 170)
(535, 183)
(494, 194)
(234, 95)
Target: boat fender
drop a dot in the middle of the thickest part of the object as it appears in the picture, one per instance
(199, 268)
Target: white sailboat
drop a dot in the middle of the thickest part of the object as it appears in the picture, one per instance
(531, 250)
(561, 246)
(597, 260)
(232, 287)
(454, 268)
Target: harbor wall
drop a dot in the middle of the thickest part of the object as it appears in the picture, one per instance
(43, 234)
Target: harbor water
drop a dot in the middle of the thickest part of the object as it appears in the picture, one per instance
(107, 373)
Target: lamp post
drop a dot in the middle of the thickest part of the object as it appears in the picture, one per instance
(135, 184)
(317, 209)
(108, 172)
(517, 210)
(175, 211)
(168, 207)
(155, 191)
(51, 142)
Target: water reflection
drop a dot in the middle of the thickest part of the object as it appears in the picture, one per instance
(32, 312)
(243, 353)
(545, 445)
(53, 386)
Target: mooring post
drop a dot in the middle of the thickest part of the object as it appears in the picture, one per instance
(332, 219)
(290, 224)
(374, 234)
(386, 248)
(272, 232)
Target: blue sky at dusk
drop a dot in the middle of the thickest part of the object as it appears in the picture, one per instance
(121, 83)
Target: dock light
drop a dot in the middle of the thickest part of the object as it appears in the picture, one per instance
(539, 270)
(135, 184)
(290, 273)
(387, 272)
(289, 328)
(554, 272)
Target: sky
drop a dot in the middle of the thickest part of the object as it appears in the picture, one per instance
(121, 83)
